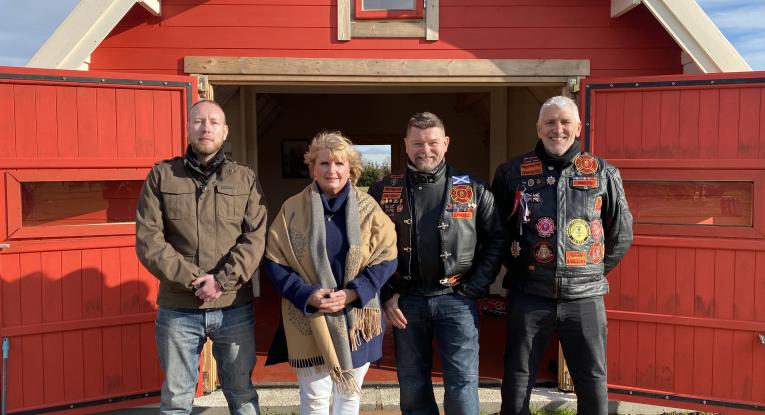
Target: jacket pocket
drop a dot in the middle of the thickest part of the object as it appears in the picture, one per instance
(230, 201)
(179, 199)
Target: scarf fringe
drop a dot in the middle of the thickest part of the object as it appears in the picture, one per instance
(306, 362)
(367, 324)
(344, 380)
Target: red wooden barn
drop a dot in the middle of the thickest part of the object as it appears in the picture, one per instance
(687, 305)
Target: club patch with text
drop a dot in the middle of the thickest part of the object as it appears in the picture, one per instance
(545, 227)
(596, 253)
(531, 168)
(597, 204)
(597, 230)
(462, 215)
(462, 193)
(586, 164)
(576, 258)
(544, 252)
(584, 182)
(578, 231)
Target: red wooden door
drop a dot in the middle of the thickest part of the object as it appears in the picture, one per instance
(76, 304)
(687, 303)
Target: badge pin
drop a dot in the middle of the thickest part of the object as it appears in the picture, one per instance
(515, 249)
(598, 204)
(551, 180)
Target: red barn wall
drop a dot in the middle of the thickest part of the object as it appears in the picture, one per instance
(633, 44)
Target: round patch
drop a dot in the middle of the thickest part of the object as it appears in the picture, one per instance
(586, 164)
(598, 203)
(578, 231)
(597, 230)
(530, 182)
(462, 193)
(545, 227)
(544, 252)
(596, 253)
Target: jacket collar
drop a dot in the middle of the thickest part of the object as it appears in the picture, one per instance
(558, 161)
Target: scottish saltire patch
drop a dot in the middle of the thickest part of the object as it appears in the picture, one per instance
(460, 179)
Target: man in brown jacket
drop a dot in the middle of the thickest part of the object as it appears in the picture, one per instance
(200, 229)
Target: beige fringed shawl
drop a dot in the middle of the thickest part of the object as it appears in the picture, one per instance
(297, 239)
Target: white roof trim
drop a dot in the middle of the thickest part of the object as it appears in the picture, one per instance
(693, 31)
(70, 46)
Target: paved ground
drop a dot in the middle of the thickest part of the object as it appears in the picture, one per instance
(382, 399)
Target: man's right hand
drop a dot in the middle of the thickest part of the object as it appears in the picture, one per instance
(394, 314)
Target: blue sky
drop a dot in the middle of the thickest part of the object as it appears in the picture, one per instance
(28, 23)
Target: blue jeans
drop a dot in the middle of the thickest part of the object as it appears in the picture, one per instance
(453, 320)
(582, 329)
(181, 334)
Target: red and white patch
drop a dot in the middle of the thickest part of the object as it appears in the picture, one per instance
(584, 182)
(531, 168)
(576, 258)
(597, 229)
(462, 215)
(462, 193)
(586, 164)
(545, 227)
(598, 204)
(544, 252)
(596, 253)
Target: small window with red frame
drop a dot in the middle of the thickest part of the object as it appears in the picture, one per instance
(389, 9)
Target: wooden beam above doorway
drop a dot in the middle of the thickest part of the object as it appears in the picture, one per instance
(227, 68)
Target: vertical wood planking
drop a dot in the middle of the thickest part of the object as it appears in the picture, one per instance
(761, 138)
(125, 104)
(31, 288)
(703, 352)
(7, 121)
(144, 123)
(722, 374)
(10, 264)
(704, 283)
(744, 309)
(24, 110)
(729, 115)
(51, 286)
(709, 121)
(684, 359)
(749, 123)
(725, 267)
(91, 283)
(131, 357)
(614, 125)
(646, 355)
(614, 288)
(149, 288)
(66, 107)
(630, 267)
(666, 285)
(612, 353)
(633, 123)
(758, 354)
(106, 117)
(628, 334)
(110, 268)
(46, 119)
(685, 283)
(74, 365)
(112, 359)
(163, 140)
(15, 374)
(93, 363)
(651, 123)
(150, 371)
(688, 134)
(112, 336)
(178, 122)
(670, 124)
(53, 367)
(647, 280)
(598, 126)
(71, 285)
(32, 362)
(703, 341)
(743, 344)
(665, 357)
(130, 289)
(87, 122)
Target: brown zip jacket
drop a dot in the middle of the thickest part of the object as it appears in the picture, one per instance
(185, 230)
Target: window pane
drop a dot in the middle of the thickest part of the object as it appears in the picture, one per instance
(79, 202)
(715, 203)
(388, 4)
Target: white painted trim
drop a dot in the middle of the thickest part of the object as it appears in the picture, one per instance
(695, 33)
(70, 46)
(619, 7)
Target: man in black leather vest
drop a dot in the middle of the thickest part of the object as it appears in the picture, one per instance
(568, 225)
(450, 245)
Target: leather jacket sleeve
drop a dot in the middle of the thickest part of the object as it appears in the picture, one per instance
(617, 220)
(490, 247)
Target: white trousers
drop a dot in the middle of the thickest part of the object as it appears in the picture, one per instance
(316, 390)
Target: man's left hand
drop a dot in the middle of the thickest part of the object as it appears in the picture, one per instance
(207, 288)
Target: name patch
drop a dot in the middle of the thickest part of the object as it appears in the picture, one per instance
(532, 168)
(462, 215)
(584, 182)
(576, 258)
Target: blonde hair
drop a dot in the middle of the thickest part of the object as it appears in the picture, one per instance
(340, 147)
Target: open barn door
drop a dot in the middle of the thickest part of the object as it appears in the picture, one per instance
(76, 305)
(687, 304)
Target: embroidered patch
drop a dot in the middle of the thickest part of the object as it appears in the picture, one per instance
(531, 168)
(578, 231)
(576, 258)
(534, 197)
(545, 226)
(596, 253)
(530, 159)
(462, 215)
(460, 179)
(544, 252)
(585, 182)
(390, 198)
(597, 204)
(515, 249)
(586, 164)
(597, 230)
(530, 182)
(392, 189)
(394, 178)
(462, 193)
(551, 180)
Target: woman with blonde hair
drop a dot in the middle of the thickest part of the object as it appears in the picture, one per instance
(330, 249)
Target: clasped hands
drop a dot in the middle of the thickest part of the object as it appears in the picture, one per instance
(327, 300)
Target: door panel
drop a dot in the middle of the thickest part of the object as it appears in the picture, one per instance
(75, 303)
(686, 303)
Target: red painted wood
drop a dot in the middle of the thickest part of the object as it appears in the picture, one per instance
(749, 123)
(93, 363)
(758, 358)
(126, 137)
(31, 288)
(87, 122)
(646, 356)
(684, 360)
(614, 122)
(665, 357)
(74, 366)
(24, 113)
(162, 120)
(614, 353)
(762, 125)
(53, 363)
(112, 358)
(92, 281)
(628, 332)
(32, 360)
(11, 289)
(7, 120)
(704, 283)
(729, 120)
(688, 134)
(709, 122)
(702, 356)
(144, 121)
(51, 286)
(131, 357)
(46, 117)
(670, 124)
(722, 371)
(647, 279)
(106, 116)
(66, 119)
(110, 290)
(666, 298)
(628, 295)
(633, 124)
(651, 128)
(741, 350)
